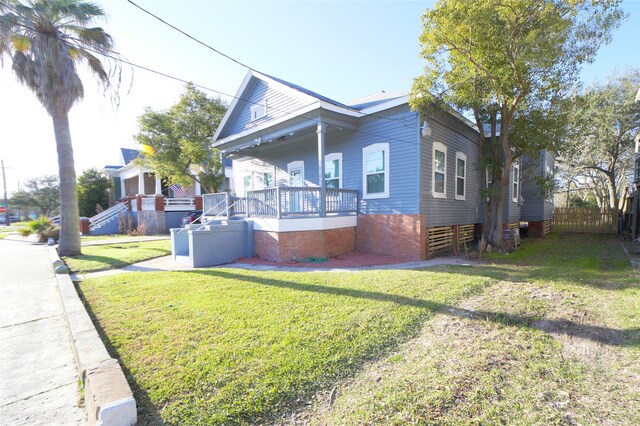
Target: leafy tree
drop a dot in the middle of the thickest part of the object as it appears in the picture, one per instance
(92, 191)
(604, 122)
(177, 142)
(42, 193)
(508, 62)
(46, 40)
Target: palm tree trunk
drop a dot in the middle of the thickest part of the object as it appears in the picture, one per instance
(69, 217)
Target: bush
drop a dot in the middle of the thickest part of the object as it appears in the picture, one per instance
(43, 228)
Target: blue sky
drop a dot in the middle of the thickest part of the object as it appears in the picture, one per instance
(343, 50)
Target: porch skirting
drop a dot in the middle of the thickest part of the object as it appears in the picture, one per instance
(398, 235)
(284, 246)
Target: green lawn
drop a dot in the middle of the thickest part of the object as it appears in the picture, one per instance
(109, 256)
(85, 238)
(547, 338)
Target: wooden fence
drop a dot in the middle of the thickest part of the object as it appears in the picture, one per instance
(585, 220)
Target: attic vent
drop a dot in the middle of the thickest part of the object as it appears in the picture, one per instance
(258, 111)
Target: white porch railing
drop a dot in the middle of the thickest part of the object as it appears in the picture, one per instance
(148, 203)
(177, 204)
(282, 202)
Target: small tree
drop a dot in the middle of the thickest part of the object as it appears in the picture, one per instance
(42, 193)
(510, 63)
(177, 142)
(92, 191)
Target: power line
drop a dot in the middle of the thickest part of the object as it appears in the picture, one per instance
(120, 58)
(191, 37)
(400, 120)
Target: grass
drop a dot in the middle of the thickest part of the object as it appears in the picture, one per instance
(109, 256)
(547, 338)
(233, 346)
(105, 237)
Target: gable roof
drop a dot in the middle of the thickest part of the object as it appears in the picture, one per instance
(128, 155)
(307, 92)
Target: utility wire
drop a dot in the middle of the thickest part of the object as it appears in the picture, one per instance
(209, 89)
(400, 120)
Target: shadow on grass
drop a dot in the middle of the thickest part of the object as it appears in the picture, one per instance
(603, 335)
(148, 413)
(114, 262)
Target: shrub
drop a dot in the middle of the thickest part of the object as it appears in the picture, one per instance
(41, 227)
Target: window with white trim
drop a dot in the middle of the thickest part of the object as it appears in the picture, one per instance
(515, 182)
(461, 176)
(258, 110)
(375, 171)
(333, 170)
(267, 179)
(246, 184)
(439, 181)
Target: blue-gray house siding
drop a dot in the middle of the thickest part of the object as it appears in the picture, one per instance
(400, 130)
(277, 105)
(457, 137)
(536, 206)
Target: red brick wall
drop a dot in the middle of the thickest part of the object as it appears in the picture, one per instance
(399, 235)
(536, 229)
(283, 246)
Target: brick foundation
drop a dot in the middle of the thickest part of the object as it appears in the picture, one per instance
(536, 229)
(283, 246)
(398, 235)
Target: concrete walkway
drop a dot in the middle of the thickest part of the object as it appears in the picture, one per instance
(39, 383)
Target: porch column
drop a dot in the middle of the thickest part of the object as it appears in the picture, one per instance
(198, 188)
(141, 182)
(158, 186)
(323, 187)
(123, 187)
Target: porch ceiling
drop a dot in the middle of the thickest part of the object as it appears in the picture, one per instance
(285, 132)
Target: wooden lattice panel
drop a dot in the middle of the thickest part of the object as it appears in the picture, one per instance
(546, 227)
(466, 234)
(440, 238)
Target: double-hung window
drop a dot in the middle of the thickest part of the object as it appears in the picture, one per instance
(267, 179)
(515, 181)
(439, 186)
(461, 175)
(333, 170)
(246, 184)
(375, 170)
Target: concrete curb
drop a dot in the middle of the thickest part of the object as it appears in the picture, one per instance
(107, 395)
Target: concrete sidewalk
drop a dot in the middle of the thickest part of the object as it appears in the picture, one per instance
(39, 382)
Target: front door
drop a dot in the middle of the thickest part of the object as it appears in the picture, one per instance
(296, 180)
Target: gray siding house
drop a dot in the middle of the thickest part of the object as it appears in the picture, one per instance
(537, 207)
(321, 178)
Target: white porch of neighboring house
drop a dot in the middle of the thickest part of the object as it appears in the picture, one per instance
(137, 181)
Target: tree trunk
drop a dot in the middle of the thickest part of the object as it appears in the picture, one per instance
(494, 209)
(69, 218)
(613, 193)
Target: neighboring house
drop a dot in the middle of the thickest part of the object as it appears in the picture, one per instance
(324, 178)
(537, 207)
(150, 200)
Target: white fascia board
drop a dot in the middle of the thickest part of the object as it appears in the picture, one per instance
(303, 97)
(271, 224)
(130, 170)
(265, 125)
(386, 105)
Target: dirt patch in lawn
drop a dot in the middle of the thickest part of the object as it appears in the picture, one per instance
(518, 352)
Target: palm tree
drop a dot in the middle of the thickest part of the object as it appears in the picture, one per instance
(45, 40)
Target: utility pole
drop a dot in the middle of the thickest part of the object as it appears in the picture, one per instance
(6, 202)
